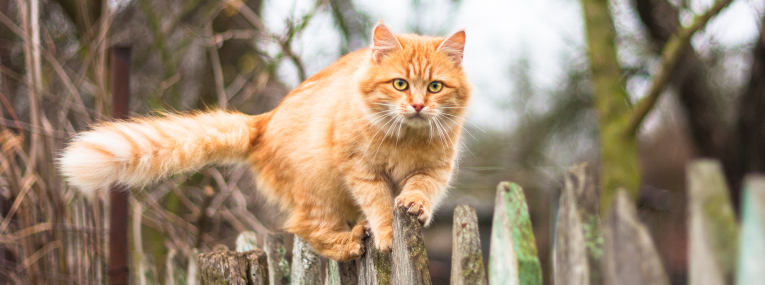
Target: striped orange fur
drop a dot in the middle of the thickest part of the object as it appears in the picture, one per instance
(333, 154)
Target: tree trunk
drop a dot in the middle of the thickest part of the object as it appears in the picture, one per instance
(618, 149)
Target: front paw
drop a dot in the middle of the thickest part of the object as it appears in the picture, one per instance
(416, 204)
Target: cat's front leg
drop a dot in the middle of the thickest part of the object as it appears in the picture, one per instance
(376, 201)
(422, 192)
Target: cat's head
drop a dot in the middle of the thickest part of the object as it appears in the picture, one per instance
(416, 81)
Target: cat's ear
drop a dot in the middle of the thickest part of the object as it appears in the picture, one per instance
(383, 42)
(453, 46)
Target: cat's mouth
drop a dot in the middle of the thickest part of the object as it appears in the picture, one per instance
(417, 116)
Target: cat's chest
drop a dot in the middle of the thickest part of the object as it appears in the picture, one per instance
(401, 163)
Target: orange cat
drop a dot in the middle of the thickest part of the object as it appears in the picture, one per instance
(379, 123)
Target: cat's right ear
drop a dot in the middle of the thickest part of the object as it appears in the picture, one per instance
(383, 42)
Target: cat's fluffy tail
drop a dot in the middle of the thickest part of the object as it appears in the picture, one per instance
(136, 152)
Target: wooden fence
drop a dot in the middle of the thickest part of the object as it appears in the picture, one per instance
(589, 248)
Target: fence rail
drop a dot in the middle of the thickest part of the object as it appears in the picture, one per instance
(589, 248)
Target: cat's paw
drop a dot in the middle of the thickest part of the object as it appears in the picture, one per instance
(355, 247)
(417, 204)
(361, 230)
(384, 239)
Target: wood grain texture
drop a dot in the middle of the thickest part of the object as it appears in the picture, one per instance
(630, 257)
(513, 251)
(467, 258)
(410, 261)
(751, 257)
(279, 267)
(342, 273)
(713, 231)
(374, 266)
(579, 244)
(235, 268)
(306, 265)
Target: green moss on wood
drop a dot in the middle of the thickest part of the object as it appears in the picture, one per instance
(512, 225)
(593, 236)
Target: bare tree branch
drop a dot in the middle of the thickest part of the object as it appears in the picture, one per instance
(669, 57)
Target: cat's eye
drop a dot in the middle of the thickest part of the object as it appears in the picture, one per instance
(400, 84)
(435, 86)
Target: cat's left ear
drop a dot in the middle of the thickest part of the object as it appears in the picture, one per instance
(453, 46)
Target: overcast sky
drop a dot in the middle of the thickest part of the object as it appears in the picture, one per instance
(547, 32)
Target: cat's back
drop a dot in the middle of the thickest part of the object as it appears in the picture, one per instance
(338, 75)
(320, 95)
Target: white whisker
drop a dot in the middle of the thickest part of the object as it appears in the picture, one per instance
(386, 135)
(378, 131)
(466, 120)
(465, 129)
(430, 131)
(463, 144)
(440, 133)
(446, 133)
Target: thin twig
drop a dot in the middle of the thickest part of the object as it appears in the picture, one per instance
(670, 54)
(202, 221)
(217, 70)
(38, 254)
(30, 180)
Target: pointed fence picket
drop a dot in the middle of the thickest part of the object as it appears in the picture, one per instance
(375, 266)
(751, 254)
(628, 247)
(513, 251)
(467, 259)
(712, 225)
(579, 241)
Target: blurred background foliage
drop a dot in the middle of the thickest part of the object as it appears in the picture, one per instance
(204, 54)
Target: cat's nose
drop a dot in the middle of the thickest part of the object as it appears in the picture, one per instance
(418, 106)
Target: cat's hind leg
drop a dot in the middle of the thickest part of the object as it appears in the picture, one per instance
(329, 234)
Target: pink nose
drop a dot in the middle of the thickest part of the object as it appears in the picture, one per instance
(418, 106)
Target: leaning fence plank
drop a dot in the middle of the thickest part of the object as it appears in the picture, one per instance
(513, 251)
(629, 257)
(410, 261)
(467, 259)
(751, 258)
(375, 266)
(342, 273)
(235, 268)
(579, 242)
(306, 266)
(278, 267)
(713, 232)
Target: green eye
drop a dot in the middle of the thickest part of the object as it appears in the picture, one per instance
(400, 84)
(435, 86)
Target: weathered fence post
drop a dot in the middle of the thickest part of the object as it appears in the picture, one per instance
(342, 273)
(279, 267)
(579, 242)
(375, 266)
(235, 268)
(410, 261)
(306, 266)
(629, 254)
(513, 255)
(118, 195)
(751, 258)
(467, 259)
(713, 232)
